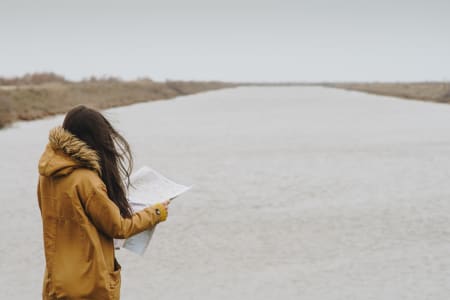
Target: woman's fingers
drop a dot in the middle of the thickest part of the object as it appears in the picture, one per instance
(166, 204)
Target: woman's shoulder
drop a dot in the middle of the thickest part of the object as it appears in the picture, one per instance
(87, 177)
(86, 182)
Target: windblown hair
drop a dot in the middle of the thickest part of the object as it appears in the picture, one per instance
(116, 160)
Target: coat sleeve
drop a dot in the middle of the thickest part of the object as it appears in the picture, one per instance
(105, 215)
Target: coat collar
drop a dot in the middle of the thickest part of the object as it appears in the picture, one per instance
(81, 155)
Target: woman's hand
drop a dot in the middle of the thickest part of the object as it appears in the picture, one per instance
(166, 205)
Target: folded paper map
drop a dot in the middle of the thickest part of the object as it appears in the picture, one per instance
(148, 187)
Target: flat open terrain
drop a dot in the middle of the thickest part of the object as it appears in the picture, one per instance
(40, 95)
(427, 91)
(299, 193)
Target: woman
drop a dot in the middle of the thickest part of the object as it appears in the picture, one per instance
(83, 205)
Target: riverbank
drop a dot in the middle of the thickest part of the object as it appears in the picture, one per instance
(426, 91)
(40, 95)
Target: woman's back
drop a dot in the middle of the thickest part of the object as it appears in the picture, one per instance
(80, 260)
(80, 221)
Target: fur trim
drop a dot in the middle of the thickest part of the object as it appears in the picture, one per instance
(61, 139)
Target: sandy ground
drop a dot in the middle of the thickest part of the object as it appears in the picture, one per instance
(300, 193)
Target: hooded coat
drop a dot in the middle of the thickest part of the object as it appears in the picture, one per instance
(80, 221)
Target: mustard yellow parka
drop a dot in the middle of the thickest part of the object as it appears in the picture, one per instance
(80, 222)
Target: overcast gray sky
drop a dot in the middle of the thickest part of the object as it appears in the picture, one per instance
(235, 40)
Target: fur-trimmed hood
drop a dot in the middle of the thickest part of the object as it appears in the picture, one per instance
(65, 152)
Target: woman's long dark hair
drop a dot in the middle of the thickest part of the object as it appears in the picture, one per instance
(116, 160)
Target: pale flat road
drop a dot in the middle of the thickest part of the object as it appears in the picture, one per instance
(300, 193)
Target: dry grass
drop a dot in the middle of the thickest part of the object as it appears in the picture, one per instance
(7, 114)
(48, 95)
(32, 78)
(428, 91)
(38, 95)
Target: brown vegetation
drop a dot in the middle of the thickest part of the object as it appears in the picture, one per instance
(38, 95)
(32, 78)
(428, 91)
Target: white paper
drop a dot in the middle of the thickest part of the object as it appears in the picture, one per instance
(148, 187)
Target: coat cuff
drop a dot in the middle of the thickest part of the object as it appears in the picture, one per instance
(162, 211)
